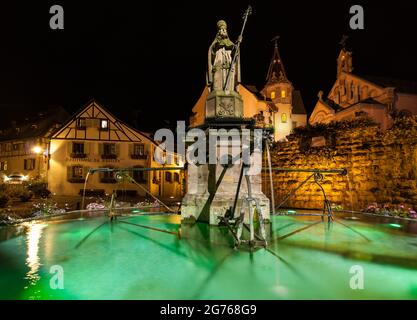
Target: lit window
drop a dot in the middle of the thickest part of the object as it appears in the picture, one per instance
(104, 124)
(284, 118)
(77, 172)
(273, 95)
(283, 93)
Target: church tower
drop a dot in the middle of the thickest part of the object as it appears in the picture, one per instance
(344, 60)
(279, 90)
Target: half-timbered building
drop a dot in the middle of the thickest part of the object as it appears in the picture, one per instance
(94, 138)
(52, 146)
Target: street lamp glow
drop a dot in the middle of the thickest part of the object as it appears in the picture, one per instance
(37, 149)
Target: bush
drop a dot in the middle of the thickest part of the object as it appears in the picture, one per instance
(39, 189)
(25, 195)
(47, 207)
(4, 199)
(332, 127)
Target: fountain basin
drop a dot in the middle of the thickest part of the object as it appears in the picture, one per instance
(306, 259)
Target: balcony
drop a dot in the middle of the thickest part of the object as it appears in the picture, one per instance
(76, 180)
(78, 155)
(139, 156)
(109, 156)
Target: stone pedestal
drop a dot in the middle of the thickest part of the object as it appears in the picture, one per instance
(220, 104)
(207, 198)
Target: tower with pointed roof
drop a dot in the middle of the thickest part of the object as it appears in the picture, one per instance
(281, 94)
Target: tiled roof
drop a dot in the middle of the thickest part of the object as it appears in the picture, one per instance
(23, 121)
(297, 102)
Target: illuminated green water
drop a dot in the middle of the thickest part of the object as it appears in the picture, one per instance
(306, 260)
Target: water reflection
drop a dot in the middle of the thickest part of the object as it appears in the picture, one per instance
(33, 235)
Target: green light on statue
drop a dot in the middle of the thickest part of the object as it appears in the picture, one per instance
(291, 211)
(136, 211)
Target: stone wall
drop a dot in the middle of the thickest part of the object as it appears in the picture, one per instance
(382, 166)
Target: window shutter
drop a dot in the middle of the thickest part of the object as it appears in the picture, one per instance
(131, 146)
(117, 149)
(69, 173)
(85, 171)
(87, 147)
(69, 148)
(100, 148)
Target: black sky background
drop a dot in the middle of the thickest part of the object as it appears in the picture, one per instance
(146, 61)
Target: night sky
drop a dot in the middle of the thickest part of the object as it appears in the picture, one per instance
(147, 62)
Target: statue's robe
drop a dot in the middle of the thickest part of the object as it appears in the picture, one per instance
(220, 57)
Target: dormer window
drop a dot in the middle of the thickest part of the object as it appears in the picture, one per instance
(272, 95)
(283, 94)
(104, 125)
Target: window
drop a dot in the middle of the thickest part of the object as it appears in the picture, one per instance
(78, 148)
(284, 118)
(140, 176)
(75, 174)
(17, 146)
(107, 177)
(176, 177)
(81, 123)
(29, 164)
(8, 147)
(273, 95)
(168, 176)
(3, 165)
(155, 177)
(109, 151)
(138, 151)
(283, 94)
(104, 124)
(109, 148)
